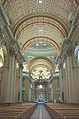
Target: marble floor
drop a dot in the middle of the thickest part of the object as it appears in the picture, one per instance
(40, 113)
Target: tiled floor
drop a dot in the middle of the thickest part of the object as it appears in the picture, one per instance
(40, 113)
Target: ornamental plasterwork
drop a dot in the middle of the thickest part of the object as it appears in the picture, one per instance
(43, 71)
(41, 67)
(67, 46)
(42, 28)
(41, 62)
(17, 9)
(38, 20)
(38, 29)
(40, 39)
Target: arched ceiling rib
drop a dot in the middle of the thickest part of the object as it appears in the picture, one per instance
(41, 38)
(41, 19)
(47, 52)
(40, 65)
(40, 61)
(40, 27)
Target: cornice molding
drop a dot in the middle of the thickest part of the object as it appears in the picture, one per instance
(10, 42)
(67, 46)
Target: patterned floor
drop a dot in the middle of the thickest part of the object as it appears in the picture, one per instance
(40, 113)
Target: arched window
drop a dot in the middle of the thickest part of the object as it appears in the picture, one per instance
(1, 57)
(64, 65)
(64, 69)
(76, 55)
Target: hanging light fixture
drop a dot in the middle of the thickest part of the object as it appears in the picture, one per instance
(1, 57)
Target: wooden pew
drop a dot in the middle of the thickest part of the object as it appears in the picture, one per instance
(62, 111)
(17, 111)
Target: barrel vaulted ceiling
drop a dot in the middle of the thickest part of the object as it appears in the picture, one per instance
(19, 9)
(35, 19)
(40, 26)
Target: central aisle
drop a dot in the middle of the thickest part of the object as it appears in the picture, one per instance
(40, 113)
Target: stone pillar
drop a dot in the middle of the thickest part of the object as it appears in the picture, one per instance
(14, 81)
(51, 93)
(45, 92)
(75, 82)
(69, 79)
(3, 76)
(0, 91)
(29, 94)
(64, 83)
(20, 83)
(71, 87)
(35, 93)
(10, 81)
(67, 88)
(61, 82)
(1, 87)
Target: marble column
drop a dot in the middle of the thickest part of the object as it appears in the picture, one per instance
(29, 94)
(20, 83)
(1, 87)
(69, 79)
(71, 82)
(14, 81)
(75, 82)
(10, 78)
(63, 84)
(0, 91)
(45, 91)
(67, 88)
(35, 93)
(61, 81)
(51, 93)
(3, 75)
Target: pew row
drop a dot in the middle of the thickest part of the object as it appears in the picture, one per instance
(62, 111)
(17, 111)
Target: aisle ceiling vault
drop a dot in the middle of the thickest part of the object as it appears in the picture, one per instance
(40, 26)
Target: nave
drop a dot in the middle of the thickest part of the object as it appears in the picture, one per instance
(39, 59)
(40, 113)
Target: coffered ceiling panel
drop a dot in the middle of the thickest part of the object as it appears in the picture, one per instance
(40, 29)
(30, 19)
(40, 61)
(17, 9)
